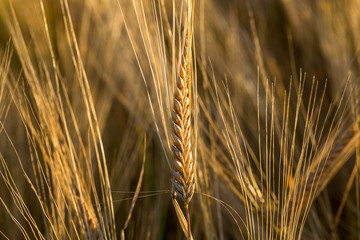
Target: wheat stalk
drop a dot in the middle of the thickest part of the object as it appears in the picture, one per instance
(183, 164)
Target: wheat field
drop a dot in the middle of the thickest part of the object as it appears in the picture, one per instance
(183, 119)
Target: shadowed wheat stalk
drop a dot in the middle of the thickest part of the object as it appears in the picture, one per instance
(327, 163)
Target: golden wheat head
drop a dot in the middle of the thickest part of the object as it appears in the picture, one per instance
(183, 164)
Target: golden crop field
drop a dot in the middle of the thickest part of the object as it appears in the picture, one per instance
(182, 119)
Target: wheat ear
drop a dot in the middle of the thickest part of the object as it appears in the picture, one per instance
(329, 161)
(182, 170)
(182, 164)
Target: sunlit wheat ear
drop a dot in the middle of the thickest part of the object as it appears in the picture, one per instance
(183, 164)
